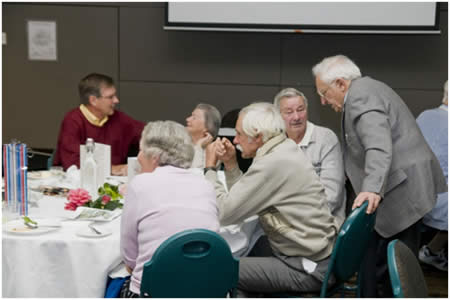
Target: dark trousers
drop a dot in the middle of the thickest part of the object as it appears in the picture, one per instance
(375, 281)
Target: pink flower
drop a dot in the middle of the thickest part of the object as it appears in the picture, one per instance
(105, 199)
(70, 206)
(77, 197)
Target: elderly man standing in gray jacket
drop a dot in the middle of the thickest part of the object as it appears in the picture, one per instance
(282, 188)
(386, 160)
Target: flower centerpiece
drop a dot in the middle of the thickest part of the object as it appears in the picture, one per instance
(109, 198)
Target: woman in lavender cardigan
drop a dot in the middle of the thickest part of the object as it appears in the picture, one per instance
(164, 199)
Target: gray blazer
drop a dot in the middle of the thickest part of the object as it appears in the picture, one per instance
(385, 153)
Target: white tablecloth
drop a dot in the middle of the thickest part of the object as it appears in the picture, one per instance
(63, 264)
(59, 263)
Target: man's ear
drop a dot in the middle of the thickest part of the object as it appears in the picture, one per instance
(342, 84)
(259, 139)
(92, 100)
(155, 161)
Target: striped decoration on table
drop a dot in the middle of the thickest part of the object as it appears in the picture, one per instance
(15, 163)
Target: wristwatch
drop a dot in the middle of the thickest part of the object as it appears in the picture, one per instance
(209, 168)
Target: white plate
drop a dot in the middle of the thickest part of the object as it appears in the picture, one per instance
(18, 227)
(89, 233)
(39, 174)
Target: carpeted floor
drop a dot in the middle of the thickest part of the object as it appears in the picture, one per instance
(437, 281)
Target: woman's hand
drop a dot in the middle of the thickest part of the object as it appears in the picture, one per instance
(210, 155)
(205, 141)
(129, 270)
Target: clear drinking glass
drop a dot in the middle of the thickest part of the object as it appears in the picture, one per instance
(57, 172)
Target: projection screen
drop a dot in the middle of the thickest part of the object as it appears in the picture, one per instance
(305, 17)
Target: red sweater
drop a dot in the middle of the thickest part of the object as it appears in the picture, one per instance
(120, 131)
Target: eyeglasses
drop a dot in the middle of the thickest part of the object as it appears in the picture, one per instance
(111, 97)
(323, 93)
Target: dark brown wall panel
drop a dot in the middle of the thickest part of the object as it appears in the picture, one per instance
(175, 101)
(37, 94)
(150, 53)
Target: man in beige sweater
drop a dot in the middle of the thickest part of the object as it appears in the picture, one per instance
(282, 188)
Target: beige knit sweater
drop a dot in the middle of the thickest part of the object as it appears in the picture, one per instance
(282, 188)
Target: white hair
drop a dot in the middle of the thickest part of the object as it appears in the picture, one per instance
(445, 98)
(288, 93)
(262, 118)
(334, 67)
(169, 141)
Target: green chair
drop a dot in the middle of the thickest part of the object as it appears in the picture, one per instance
(348, 253)
(195, 263)
(349, 249)
(50, 160)
(406, 275)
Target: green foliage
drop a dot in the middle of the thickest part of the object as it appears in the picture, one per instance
(108, 190)
(28, 220)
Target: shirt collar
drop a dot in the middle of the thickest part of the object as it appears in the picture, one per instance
(345, 99)
(91, 117)
(444, 107)
(308, 133)
(270, 144)
(346, 94)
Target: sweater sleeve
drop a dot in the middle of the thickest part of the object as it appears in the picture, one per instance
(137, 127)
(70, 138)
(247, 196)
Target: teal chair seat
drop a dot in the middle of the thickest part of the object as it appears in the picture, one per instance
(405, 273)
(195, 263)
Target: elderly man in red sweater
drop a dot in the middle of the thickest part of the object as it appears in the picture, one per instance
(97, 118)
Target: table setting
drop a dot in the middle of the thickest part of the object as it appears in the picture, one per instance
(56, 246)
(68, 245)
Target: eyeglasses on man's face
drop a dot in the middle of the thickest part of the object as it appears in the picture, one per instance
(323, 93)
(110, 97)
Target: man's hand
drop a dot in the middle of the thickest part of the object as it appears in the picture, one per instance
(373, 199)
(226, 152)
(130, 270)
(119, 170)
(205, 141)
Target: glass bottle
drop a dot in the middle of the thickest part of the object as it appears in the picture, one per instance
(89, 173)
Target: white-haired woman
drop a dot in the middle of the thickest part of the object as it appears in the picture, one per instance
(203, 126)
(164, 199)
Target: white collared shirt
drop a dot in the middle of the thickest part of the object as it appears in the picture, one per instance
(322, 148)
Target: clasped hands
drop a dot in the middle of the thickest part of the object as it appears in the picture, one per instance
(223, 150)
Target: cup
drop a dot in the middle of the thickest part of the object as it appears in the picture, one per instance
(57, 172)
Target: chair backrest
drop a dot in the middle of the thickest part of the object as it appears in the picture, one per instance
(406, 275)
(50, 160)
(195, 263)
(351, 246)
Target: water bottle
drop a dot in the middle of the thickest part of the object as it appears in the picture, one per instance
(89, 174)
